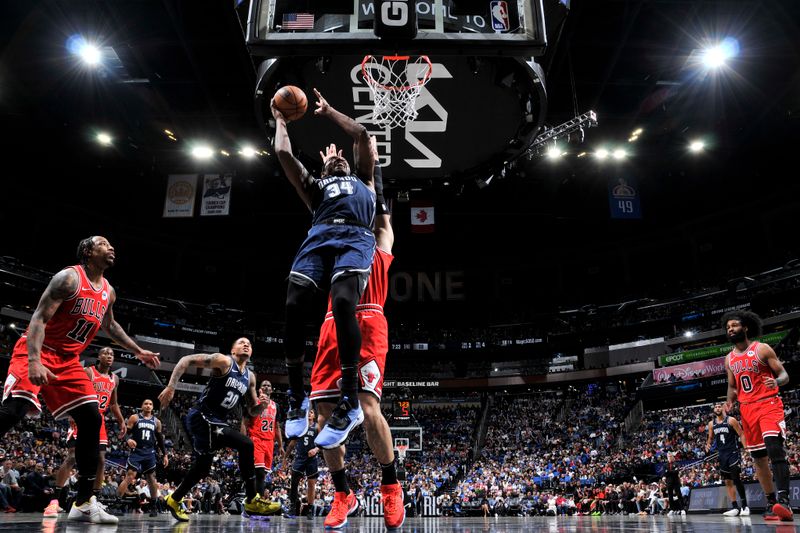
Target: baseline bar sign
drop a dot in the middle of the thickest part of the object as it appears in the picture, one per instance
(374, 507)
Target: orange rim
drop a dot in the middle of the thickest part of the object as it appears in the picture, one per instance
(374, 83)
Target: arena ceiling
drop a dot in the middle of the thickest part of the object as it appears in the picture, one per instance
(183, 66)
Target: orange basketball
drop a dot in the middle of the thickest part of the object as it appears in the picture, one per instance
(291, 101)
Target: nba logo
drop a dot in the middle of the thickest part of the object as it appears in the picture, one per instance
(499, 15)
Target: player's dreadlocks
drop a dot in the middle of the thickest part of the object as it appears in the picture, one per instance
(85, 248)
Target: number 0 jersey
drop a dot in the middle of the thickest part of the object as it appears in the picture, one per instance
(749, 371)
(223, 393)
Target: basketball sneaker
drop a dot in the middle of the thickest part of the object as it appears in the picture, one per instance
(176, 509)
(258, 507)
(783, 511)
(394, 513)
(733, 511)
(745, 512)
(297, 418)
(51, 511)
(91, 512)
(344, 505)
(342, 421)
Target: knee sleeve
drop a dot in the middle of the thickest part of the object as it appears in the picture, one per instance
(11, 412)
(757, 454)
(87, 446)
(775, 449)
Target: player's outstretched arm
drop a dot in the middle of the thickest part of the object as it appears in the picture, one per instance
(215, 361)
(118, 335)
(365, 159)
(295, 172)
(780, 377)
(254, 408)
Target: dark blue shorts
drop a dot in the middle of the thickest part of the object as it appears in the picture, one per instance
(203, 430)
(331, 250)
(142, 462)
(307, 467)
(728, 462)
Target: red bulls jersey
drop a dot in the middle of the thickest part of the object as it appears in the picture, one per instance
(374, 297)
(262, 427)
(749, 372)
(104, 385)
(78, 318)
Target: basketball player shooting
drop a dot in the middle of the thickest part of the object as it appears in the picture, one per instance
(337, 254)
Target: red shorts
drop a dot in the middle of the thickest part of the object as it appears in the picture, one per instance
(70, 389)
(326, 375)
(762, 419)
(72, 434)
(264, 450)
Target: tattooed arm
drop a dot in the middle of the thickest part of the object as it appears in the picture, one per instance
(61, 287)
(218, 363)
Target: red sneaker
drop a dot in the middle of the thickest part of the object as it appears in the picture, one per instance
(784, 512)
(343, 506)
(394, 512)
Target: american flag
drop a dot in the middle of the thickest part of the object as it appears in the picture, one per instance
(298, 21)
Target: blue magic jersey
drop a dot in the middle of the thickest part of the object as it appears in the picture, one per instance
(726, 440)
(223, 393)
(344, 197)
(144, 433)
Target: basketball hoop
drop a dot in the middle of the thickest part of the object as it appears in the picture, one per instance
(401, 452)
(395, 83)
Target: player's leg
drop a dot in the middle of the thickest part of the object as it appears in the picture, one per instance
(379, 437)
(19, 394)
(736, 475)
(254, 504)
(299, 302)
(101, 463)
(311, 495)
(64, 472)
(294, 492)
(152, 484)
(776, 454)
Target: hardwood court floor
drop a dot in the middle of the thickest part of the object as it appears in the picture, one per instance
(32, 523)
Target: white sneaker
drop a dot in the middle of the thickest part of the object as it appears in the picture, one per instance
(732, 512)
(683, 512)
(670, 513)
(92, 512)
(745, 512)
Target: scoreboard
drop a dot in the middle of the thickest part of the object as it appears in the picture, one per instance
(402, 410)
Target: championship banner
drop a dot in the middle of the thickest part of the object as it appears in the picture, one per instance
(216, 194)
(699, 369)
(179, 201)
(715, 351)
(623, 199)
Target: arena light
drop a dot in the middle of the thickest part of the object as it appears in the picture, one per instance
(12, 326)
(104, 138)
(554, 152)
(688, 334)
(90, 54)
(248, 152)
(620, 154)
(637, 132)
(697, 146)
(202, 152)
(601, 154)
(716, 56)
(225, 153)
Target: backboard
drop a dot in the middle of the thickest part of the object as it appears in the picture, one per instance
(441, 27)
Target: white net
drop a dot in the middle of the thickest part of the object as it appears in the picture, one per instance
(395, 82)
